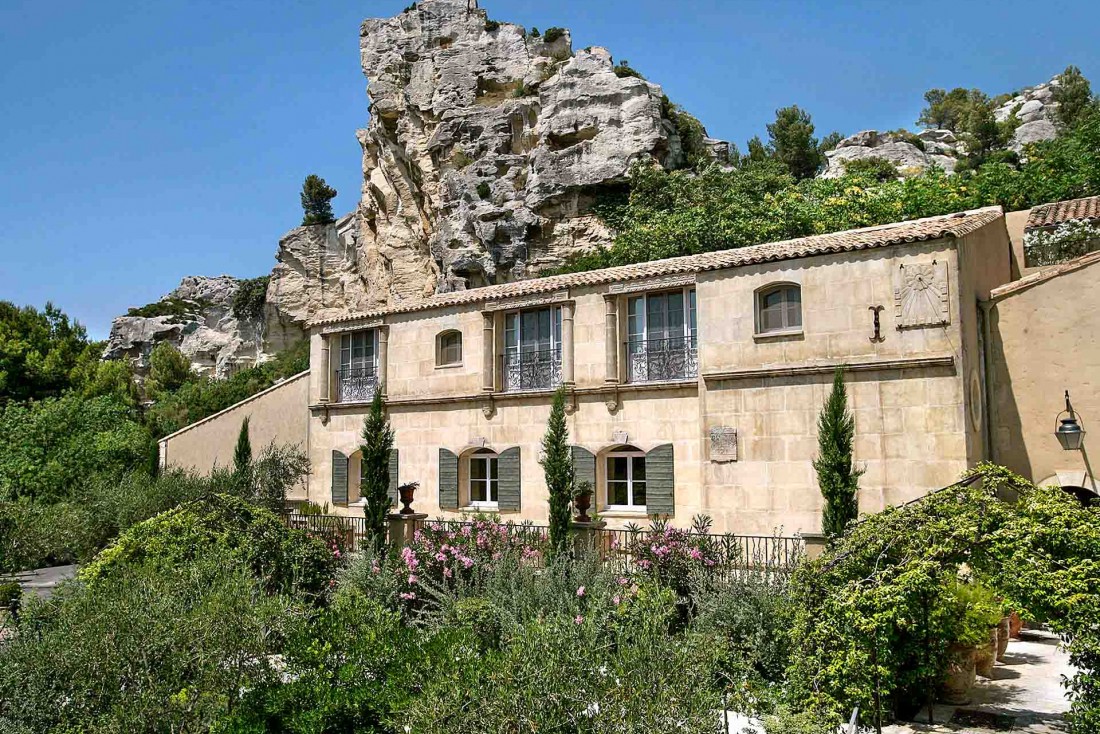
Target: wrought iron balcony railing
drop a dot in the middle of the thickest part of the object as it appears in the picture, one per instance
(657, 360)
(356, 385)
(531, 370)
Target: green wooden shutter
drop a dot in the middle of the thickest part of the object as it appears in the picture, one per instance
(660, 481)
(339, 478)
(393, 478)
(508, 482)
(584, 467)
(448, 480)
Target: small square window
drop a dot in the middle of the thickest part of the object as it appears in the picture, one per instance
(448, 348)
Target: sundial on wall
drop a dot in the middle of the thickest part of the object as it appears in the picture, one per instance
(920, 295)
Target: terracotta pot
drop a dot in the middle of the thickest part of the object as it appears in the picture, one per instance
(1003, 633)
(1015, 624)
(959, 679)
(582, 501)
(985, 655)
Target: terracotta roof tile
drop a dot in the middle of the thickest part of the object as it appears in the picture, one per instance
(917, 230)
(1049, 215)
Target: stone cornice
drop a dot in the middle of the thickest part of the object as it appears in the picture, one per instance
(356, 325)
(827, 368)
(513, 304)
(652, 284)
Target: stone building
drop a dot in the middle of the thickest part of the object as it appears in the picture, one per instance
(694, 383)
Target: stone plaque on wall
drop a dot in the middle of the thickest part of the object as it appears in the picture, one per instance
(920, 295)
(723, 443)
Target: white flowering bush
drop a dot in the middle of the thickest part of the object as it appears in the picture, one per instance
(1065, 242)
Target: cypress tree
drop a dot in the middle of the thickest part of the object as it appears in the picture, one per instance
(242, 455)
(557, 465)
(374, 488)
(836, 476)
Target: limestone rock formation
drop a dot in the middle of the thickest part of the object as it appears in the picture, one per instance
(1035, 108)
(197, 318)
(909, 153)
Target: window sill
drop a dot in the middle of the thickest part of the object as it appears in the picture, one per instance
(790, 334)
(455, 366)
(624, 513)
(475, 508)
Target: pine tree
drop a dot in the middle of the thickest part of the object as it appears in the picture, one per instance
(375, 450)
(1074, 97)
(792, 139)
(838, 479)
(317, 199)
(557, 465)
(242, 455)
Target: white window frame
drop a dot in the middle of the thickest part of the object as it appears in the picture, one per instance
(758, 307)
(691, 319)
(514, 346)
(349, 339)
(492, 485)
(630, 455)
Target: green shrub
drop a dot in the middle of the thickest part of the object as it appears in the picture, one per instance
(875, 167)
(552, 34)
(483, 190)
(623, 69)
(250, 298)
(39, 350)
(179, 309)
(148, 650)
(11, 594)
(491, 25)
(284, 560)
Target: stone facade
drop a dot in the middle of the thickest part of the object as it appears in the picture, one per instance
(919, 418)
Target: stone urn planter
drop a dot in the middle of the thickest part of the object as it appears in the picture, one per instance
(985, 655)
(1015, 624)
(405, 493)
(959, 680)
(1004, 631)
(582, 500)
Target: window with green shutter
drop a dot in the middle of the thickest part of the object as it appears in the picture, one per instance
(339, 478)
(448, 480)
(508, 484)
(661, 481)
(584, 467)
(393, 478)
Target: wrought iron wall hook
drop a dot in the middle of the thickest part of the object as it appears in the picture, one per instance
(877, 310)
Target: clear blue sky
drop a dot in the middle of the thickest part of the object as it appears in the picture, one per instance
(145, 141)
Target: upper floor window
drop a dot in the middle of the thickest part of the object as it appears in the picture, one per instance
(483, 472)
(532, 349)
(662, 336)
(448, 348)
(625, 480)
(779, 309)
(357, 376)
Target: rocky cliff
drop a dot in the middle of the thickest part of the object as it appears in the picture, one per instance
(484, 149)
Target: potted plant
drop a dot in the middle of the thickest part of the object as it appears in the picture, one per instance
(582, 500)
(405, 493)
(1004, 632)
(977, 614)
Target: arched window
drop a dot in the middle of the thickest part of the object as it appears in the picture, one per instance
(779, 309)
(448, 348)
(482, 478)
(625, 479)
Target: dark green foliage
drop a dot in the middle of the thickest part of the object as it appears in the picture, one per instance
(180, 309)
(679, 213)
(1074, 97)
(552, 34)
(534, 31)
(317, 199)
(378, 438)
(952, 110)
(829, 142)
(557, 465)
(690, 131)
(792, 140)
(205, 396)
(151, 650)
(483, 190)
(757, 151)
(49, 447)
(231, 529)
(37, 351)
(623, 69)
(876, 168)
(11, 596)
(908, 137)
(491, 25)
(169, 370)
(250, 298)
(242, 452)
(837, 478)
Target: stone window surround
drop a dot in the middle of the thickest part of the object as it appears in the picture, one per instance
(493, 320)
(439, 347)
(757, 302)
(465, 479)
(330, 342)
(602, 478)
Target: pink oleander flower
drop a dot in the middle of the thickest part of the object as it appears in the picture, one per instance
(447, 573)
(623, 581)
(580, 591)
(467, 562)
(412, 579)
(441, 557)
(615, 600)
(644, 564)
(407, 595)
(336, 552)
(696, 554)
(578, 619)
